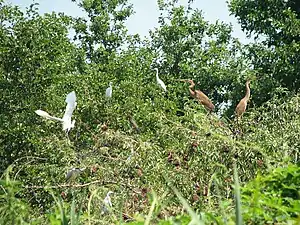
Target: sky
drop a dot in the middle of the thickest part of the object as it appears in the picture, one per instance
(146, 13)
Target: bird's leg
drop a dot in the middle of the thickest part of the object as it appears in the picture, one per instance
(67, 136)
(209, 115)
(108, 101)
(239, 129)
(241, 126)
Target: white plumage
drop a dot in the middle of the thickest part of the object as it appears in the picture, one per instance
(108, 92)
(47, 116)
(107, 199)
(106, 203)
(160, 82)
(66, 120)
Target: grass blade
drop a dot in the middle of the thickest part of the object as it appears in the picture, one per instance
(64, 219)
(237, 196)
(147, 222)
(195, 218)
(73, 214)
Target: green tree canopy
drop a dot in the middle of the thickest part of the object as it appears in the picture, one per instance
(275, 57)
(40, 65)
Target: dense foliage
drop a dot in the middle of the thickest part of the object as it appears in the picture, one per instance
(276, 24)
(177, 145)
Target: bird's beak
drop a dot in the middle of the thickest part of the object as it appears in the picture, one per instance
(183, 80)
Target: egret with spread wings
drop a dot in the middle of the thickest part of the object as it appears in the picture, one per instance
(66, 120)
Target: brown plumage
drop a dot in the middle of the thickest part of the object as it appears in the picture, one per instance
(133, 123)
(200, 96)
(241, 107)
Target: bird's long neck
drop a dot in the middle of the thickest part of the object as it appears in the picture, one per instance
(247, 96)
(192, 86)
(192, 92)
(157, 74)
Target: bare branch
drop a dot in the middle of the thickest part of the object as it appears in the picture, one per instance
(71, 185)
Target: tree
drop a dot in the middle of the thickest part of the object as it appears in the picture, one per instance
(39, 65)
(277, 20)
(35, 53)
(105, 31)
(187, 46)
(275, 58)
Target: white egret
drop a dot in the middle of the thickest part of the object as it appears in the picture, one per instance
(159, 81)
(107, 202)
(66, 120)
(74, 173)
(108, 92)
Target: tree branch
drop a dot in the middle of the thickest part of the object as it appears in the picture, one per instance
(71, 185)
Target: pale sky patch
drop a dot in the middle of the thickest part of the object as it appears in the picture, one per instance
(146, 13)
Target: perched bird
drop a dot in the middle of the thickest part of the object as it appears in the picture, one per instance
(66, 120)
(160, 82)
(73, 174)
(134, 124)
(108, 92)
(107, 203)
(200, 96)
(241, 107)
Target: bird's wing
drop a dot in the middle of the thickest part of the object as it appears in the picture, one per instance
(71, 97)
(73, 172)
(71, 105)
(204, 100)
(47, 116)
(202, 97)
(107, 201)
(67, 124)
(69, 175)
(162, 84)
(241, 107)
(108, 92)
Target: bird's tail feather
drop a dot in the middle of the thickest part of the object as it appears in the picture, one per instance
(46, 115)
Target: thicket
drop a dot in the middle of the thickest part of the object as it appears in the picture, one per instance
(179, 146)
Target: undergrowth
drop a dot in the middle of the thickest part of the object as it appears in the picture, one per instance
(165, 158)
(195, 153)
